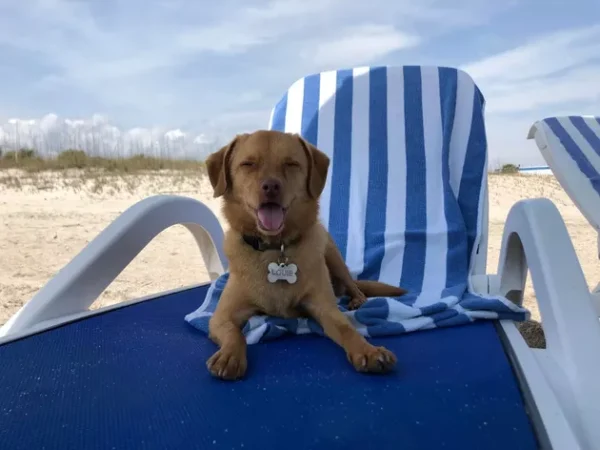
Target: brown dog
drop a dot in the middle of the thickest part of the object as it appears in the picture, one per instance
(270, 183)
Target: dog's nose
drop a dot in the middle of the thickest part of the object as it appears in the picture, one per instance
(271, 188)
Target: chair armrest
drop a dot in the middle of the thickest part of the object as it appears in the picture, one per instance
(536, 237)
(78, 284)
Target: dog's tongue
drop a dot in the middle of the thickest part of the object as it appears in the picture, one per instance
(270, 217)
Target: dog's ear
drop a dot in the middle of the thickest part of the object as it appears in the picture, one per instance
(318, 165)
(217, 166)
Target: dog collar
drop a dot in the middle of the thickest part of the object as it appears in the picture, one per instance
(260, 246)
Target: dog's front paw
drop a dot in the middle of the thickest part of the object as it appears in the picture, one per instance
(228, 364)
(373, 359)
(357, 302)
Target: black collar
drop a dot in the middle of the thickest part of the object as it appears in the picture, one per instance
(260, 246)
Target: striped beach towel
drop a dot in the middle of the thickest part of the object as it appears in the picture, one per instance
(579, 139)
(404, 199)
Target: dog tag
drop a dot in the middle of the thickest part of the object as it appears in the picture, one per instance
(281, 271)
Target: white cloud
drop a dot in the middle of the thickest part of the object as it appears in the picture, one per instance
(553, 74)
(50, 135)
(576, 85)
(551, 70)
(249, 26)
(203, 139)
(545, 55)
(360, 45)
(128, 62)
(218, 69)
(175, 134)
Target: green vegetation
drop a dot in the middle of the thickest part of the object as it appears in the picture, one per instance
(509, 169)
(28, 160)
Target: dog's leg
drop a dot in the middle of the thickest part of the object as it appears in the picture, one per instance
(342, 280)
(225, 329)
(357, 290)
(363, 356)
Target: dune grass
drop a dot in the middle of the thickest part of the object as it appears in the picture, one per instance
(77, 170)
(29, 161)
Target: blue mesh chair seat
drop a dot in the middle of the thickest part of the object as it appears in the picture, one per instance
(135, 378)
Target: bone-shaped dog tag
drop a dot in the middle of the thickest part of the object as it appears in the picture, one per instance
(285, 272)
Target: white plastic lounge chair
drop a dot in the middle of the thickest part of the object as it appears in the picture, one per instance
(571, 147)
(406, 202)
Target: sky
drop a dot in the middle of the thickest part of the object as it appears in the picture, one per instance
(193, 73)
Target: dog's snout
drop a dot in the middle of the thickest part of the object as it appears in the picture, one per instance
(271, 188)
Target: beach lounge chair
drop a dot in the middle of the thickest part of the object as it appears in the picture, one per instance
(571, 147)
(406, 201)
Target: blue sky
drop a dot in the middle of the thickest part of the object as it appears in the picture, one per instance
(216, 68)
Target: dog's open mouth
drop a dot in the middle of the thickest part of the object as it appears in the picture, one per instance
(270, 216)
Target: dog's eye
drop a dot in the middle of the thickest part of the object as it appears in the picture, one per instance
(247, 164)
(292, 164)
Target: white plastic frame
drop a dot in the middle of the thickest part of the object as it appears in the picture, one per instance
(558, 382)
(77, 285)
(572, 180)
(561, 379)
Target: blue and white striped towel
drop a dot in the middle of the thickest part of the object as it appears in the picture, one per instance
(579, 161)
(404, 199)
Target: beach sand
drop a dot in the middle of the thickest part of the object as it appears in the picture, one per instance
(47, 218)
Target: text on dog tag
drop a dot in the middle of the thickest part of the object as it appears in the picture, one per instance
(284, 272)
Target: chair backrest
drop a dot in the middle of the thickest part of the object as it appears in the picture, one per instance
(571, 147)
(406, 195)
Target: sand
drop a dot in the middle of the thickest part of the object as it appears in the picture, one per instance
(47, 218)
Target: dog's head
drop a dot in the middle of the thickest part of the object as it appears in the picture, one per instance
(270, 182)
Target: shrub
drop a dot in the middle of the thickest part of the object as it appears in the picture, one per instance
(72, 159)
(20, 155)
(509, 168)
(29, 161)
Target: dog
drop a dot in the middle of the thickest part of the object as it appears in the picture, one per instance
(282, 261)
